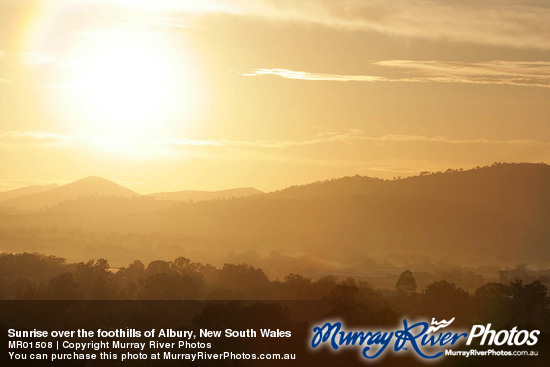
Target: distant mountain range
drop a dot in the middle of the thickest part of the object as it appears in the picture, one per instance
(45, 196)
(497, 214)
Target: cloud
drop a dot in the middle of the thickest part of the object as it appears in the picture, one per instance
(305, 75)
(523, 73)
(325, 154)
(357, 136)
(51, 140)
(514, 23)
(520, 73)
(510, 23)
(302, 75)
(36, 138)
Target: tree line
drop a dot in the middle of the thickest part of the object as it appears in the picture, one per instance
(36, 277)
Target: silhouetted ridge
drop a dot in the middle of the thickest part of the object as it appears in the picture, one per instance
(512, 187)
(92, 186)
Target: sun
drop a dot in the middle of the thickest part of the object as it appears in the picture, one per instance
(129, 84)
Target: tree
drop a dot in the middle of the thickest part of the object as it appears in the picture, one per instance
(493, 290)
(25, 288)
(242, 277)
(62, 287)
(494, 303)
(344, 303)
(297, 286)
(406, 284)
(94, 280)
(529, 298)
(443, 299)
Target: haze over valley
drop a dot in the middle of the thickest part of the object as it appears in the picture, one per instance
(486, 218)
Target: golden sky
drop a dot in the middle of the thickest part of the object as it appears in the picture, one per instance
(168, 95)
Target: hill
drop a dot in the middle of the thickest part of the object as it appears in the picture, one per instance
(514, 189)
(12, 194)
(87, 187)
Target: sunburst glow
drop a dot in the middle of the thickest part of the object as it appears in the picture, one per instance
(130, 83)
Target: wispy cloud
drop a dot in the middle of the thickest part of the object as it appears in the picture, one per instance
(322, 155)
(523, 73)
(44, 138)
(312, 76)
(357, 136)
(520, 73)
(52, 139)
(512, 23)
(291, 74)
(515, 23)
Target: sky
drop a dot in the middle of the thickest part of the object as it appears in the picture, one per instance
(170, 95)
